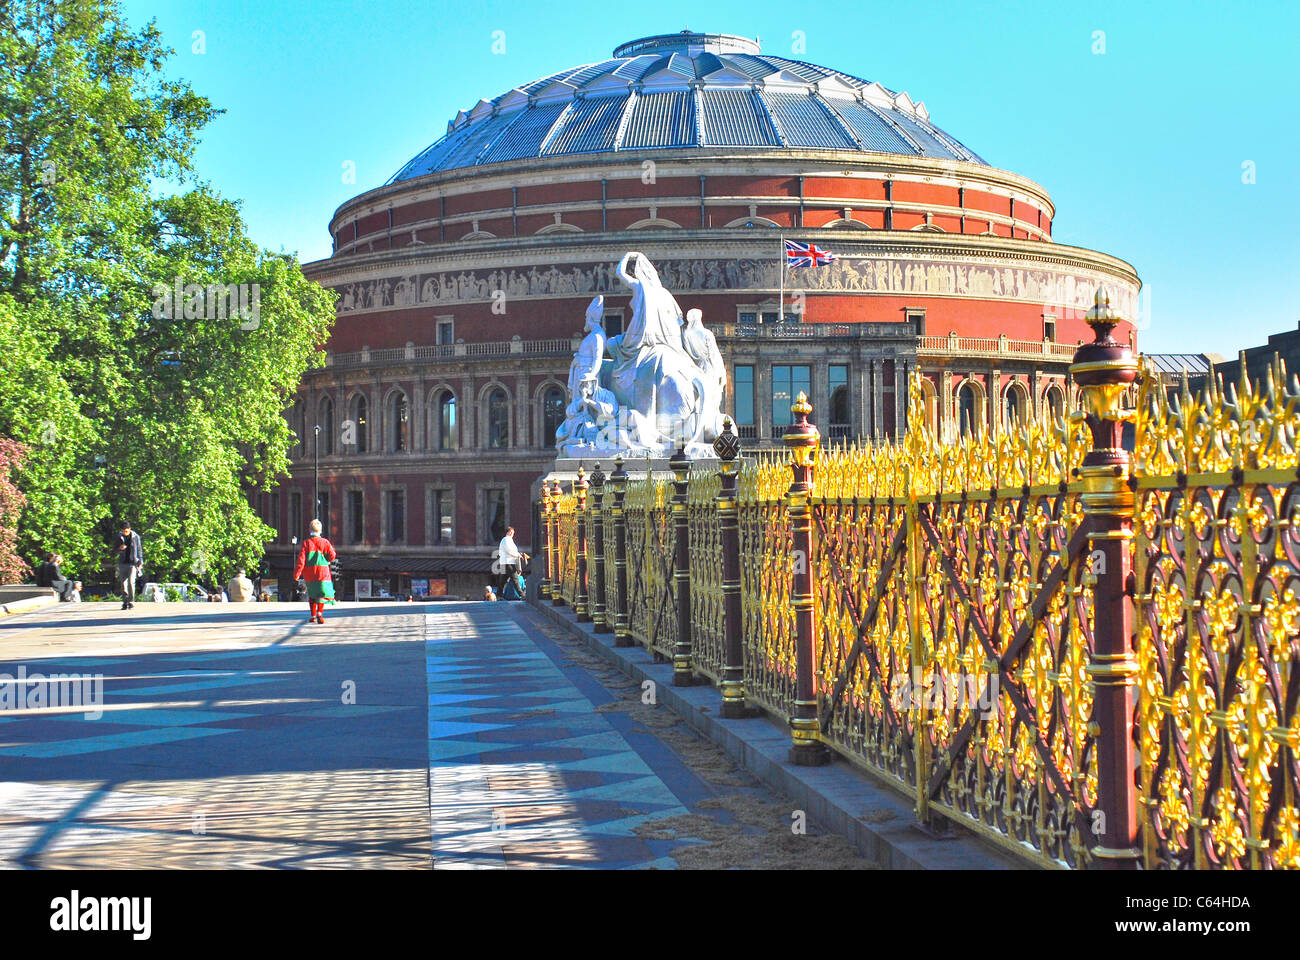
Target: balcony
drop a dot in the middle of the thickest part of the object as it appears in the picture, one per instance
(554, 347)
(955, 346)
(947, 346)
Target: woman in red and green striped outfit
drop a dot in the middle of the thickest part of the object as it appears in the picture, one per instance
(313, 566)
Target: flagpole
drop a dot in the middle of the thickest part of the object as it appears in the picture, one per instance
(780, 316)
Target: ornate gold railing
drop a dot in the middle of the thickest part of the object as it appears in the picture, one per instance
(767, 626)
(1007, 628)
(707, 628)
(567, 546)
(1218, 612)
(650, 545)
(952, 627)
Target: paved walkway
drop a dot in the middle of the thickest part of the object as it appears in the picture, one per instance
(397, 735)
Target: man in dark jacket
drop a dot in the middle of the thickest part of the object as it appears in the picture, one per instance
(48, 575)
(130, 558)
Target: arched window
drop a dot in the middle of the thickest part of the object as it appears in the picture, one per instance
(1013, 409)
(326, 426)
(838, 374)
(300, 427)
(552, 415)
(931, 405)
(360, 427)
(498, 425)
(399, 423)
(1053, 407)
(968, 418)
(444, 425)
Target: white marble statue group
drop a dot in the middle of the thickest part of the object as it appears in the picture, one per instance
(663, 387)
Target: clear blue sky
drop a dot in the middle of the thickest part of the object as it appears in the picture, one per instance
(1141, 146)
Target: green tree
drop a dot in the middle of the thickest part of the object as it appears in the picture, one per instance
(134, 402)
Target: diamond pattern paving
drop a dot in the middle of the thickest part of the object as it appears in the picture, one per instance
(528, 773)
(452, 736)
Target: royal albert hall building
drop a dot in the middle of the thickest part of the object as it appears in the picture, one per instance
(463, 282)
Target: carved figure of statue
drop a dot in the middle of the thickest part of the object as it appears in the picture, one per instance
(666, 384)
(702, 347)
(653, 375)
(591, 352)
(590, 420)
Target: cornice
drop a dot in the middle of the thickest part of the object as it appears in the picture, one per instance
(569, 248)
(685, 162)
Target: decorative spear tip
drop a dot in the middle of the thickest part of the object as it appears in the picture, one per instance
(1102, 312)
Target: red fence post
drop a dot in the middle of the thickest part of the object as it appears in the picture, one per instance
(622, 631)
(802, 440)
(732, 685)
(544, 583)
(598, 563)
(1104, 369)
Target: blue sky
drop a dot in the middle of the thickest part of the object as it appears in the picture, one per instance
(1142, 147)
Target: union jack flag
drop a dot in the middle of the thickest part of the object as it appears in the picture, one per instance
(800, 254)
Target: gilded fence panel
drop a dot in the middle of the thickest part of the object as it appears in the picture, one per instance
(1218, 625)
(707, 632)
(606, 509)
(953, 626)
(860, 603)
(567, 545)
(766, 543)
(1005, 616)
(650, 543)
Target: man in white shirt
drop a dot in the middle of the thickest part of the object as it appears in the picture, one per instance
(509, 557)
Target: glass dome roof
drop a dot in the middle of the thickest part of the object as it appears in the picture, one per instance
(687, 90)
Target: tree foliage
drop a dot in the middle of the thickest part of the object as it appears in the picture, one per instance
(162, 408)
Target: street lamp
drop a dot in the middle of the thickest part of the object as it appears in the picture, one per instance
(315, 479)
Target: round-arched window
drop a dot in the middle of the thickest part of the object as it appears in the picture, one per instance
(552, 414)
(326, 426)
(967, 411)
(360, 426)
(445, 427)
(498, 425)
(399, 423)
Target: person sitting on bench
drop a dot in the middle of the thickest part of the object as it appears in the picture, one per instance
(49, 575)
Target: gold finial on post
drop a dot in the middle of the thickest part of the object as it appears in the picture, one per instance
(801, 437)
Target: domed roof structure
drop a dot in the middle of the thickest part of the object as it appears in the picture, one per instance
(687, 90)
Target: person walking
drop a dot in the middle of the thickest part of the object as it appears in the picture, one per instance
(515, 588)
(48, 575)
(509, 556)
(130, 560)
(313, 567)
